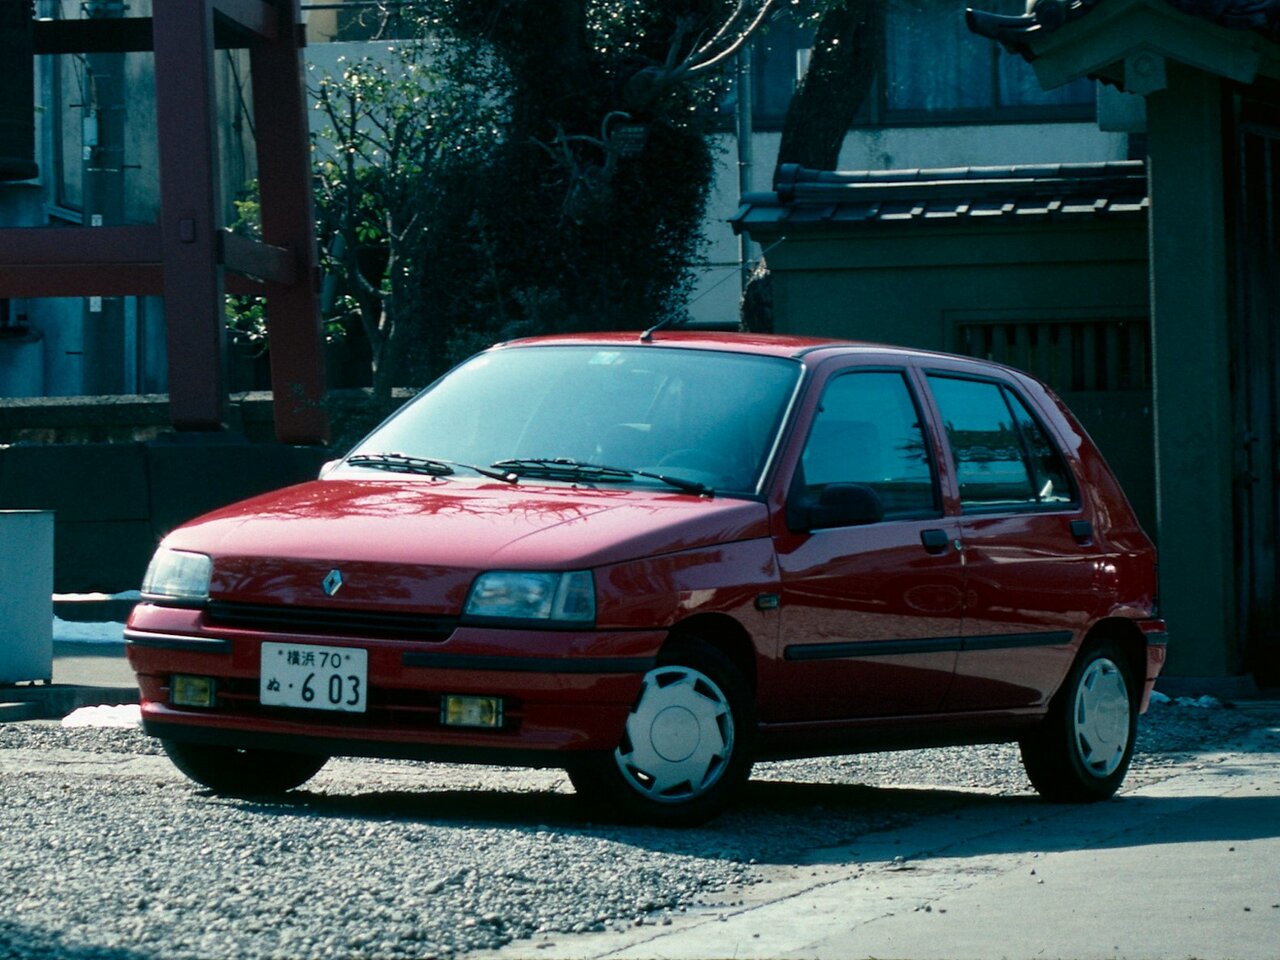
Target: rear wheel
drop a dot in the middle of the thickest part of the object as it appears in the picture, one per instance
(686, 747)
(1082, 750)
(242, 773)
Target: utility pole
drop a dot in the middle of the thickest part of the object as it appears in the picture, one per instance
(103, 200)
(745, 131)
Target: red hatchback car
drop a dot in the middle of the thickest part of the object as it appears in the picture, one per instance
(652, 560)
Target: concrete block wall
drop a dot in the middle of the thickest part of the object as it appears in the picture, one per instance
(113, 502)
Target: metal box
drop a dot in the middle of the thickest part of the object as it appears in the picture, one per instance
(26, 595)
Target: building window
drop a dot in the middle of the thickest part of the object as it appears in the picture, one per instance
(778, 61)
(935, 68)
(932, 70)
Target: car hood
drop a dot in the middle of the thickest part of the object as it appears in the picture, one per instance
(419, 543)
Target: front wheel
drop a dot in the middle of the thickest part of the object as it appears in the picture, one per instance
(242, 773)
(686, 746)
(1082, 750)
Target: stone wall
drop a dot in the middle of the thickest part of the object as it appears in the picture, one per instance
(118, 478)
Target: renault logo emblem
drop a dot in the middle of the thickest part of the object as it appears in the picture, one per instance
(333, 582)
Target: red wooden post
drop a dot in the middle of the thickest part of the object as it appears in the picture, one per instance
(284, 182)
(190, 213)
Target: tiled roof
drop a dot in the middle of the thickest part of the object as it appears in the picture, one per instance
(808, 199)
(1045, 16)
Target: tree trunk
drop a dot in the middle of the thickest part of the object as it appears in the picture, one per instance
(842, 71)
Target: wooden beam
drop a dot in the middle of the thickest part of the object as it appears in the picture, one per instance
(103, 246)
(134, 34)
(115, 35)
(255, 17)
(253, 258)
(81, 280)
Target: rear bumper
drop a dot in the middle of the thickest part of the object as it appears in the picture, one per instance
(561, 691)
(1156, 634)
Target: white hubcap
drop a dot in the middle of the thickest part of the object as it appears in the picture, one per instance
(1102, 717)
(679, 735)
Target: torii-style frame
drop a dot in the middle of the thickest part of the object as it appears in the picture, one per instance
(184, 254)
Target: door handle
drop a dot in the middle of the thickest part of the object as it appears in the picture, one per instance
(935, 541)
(1082, 531)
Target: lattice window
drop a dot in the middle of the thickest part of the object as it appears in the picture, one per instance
(1072, 356)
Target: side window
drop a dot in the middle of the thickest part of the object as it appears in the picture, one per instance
(1003, 457)
(1048, 470)
(867, 431)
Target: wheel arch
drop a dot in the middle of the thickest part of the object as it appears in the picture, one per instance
(1126, 635)
(725, 634)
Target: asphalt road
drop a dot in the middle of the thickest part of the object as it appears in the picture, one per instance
(107, 853)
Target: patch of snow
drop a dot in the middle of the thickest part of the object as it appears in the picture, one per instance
(1199, 703)
(124, 715)
(95, 597)
(69, 631)
(1203, 703)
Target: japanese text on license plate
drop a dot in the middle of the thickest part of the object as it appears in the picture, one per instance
(314, 677)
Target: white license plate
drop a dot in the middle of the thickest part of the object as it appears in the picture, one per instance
(314, 677)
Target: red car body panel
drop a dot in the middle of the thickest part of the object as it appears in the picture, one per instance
(857, 637)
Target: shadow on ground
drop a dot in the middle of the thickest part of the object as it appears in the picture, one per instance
(782, 821)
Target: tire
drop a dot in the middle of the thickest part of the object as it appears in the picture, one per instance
(243, 773)
(686, 749)
(1082, 750)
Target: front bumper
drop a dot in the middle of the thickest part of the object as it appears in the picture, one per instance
(562, 691)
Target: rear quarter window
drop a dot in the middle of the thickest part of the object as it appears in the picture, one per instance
(1004, 457)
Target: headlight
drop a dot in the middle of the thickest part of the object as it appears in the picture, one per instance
(523, 595)
(178, 575)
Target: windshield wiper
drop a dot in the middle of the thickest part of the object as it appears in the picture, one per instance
(430, 466)
(564, 468)
(400, 463)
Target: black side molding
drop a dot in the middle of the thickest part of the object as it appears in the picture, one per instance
(451, 661)
(858, 649)
(165, 641)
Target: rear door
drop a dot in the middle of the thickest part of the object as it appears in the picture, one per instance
(870, 611)
(1030, 559)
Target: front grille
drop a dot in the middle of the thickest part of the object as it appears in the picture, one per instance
(317, 621)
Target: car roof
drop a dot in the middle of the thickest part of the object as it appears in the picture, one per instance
(811, 349)
(768, 344)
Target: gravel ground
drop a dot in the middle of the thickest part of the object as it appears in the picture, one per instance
(109, 854)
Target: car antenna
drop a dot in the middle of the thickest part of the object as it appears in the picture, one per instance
(660, 325)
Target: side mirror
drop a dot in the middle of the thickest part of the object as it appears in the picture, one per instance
(839, 505)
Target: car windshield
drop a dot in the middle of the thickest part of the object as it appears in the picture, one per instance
(705, 417)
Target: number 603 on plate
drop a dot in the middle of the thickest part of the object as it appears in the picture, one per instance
(313, 677)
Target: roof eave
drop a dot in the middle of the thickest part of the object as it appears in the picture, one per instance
(1127, 42)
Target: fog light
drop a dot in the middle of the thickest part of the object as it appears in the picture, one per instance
(459, 711)
(185, 691)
